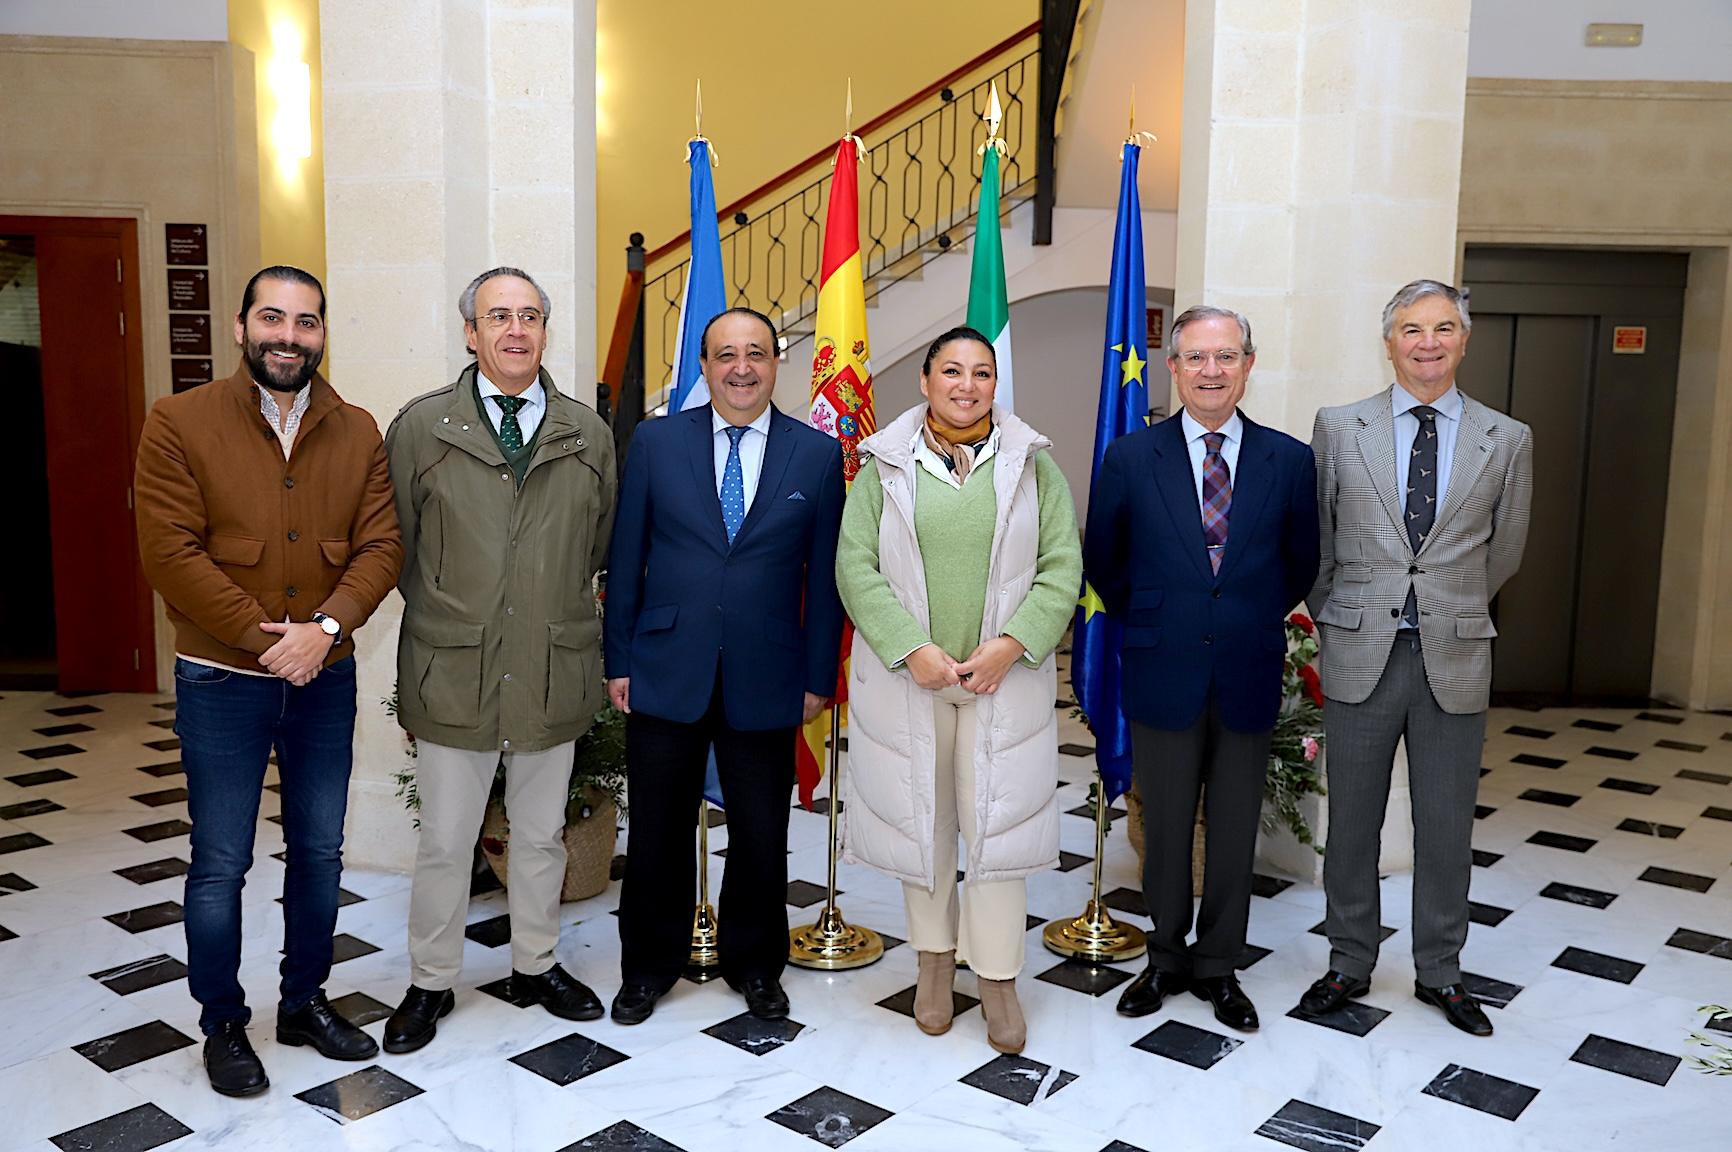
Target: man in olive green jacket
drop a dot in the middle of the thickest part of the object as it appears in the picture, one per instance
(505, 489)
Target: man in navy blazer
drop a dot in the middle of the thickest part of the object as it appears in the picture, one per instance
(722, 628)
(1202, 534)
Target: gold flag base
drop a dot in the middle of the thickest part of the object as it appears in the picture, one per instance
(706, 955)
(1095, 936)
(833, 944)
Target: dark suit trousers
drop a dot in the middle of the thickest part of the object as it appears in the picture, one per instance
(665, 764)
(1228, 768)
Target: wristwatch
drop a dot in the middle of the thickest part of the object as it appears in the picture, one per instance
(329, 626)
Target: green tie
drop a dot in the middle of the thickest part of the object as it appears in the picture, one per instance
(510, 432)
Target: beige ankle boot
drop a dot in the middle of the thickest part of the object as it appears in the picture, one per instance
(934, 1006)
(1006, 1030)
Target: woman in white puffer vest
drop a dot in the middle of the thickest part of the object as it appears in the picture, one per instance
(959, 564)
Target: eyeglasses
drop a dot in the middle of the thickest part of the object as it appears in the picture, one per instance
(500, 317)
(1226, 359)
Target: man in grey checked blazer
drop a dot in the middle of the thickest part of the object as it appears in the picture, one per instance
(1423, 498)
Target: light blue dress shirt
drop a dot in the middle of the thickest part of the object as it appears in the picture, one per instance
(528, 417)
(1407, 429)
(1233, 429)
(752, 446)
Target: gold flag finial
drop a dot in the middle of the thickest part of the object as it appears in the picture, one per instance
(698, 120)
(1135, 137)
(994, 117)
(848, 128)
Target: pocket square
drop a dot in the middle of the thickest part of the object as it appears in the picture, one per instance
(796, 495)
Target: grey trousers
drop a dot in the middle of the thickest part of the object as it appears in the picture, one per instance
(1443, 761)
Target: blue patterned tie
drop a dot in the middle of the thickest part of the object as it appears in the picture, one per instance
(733, 487)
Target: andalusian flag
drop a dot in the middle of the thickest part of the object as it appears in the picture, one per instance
(988, 303)
(841, 395)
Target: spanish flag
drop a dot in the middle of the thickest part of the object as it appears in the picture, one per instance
(841, 395)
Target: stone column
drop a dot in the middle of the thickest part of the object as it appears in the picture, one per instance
(1320, 169)
(459, 135)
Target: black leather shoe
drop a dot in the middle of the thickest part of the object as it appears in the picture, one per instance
(1459, 1007)
(634, 1003)
(319, 1025)
(416, 1019)
(230, 1062)
(560, 993)
(1232, 1007)
(764, 997)
(1152, 985)
(1331, 992)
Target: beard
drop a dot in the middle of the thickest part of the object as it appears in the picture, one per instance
(279, 377)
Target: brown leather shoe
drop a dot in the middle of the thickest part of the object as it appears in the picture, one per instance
(934, 1001)
(1006, 1030)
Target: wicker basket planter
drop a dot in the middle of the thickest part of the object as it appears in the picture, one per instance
(589, 843)
(1134, 824)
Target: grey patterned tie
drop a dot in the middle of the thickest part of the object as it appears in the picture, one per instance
(1421, 496)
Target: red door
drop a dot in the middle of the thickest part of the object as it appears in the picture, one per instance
(93, 408)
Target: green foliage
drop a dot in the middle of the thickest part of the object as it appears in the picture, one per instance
(1719, 1061)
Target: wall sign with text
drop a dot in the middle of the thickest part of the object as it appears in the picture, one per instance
(187, 253)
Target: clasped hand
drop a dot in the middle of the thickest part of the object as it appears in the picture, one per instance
(300, 653)
(982, 673)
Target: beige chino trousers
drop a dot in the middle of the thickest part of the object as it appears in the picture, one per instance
(454, 784)
(987, 924)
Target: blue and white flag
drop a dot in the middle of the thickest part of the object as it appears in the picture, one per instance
(705, 295)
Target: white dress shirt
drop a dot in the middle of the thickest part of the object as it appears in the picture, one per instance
(1407, 430)
(1233, 430)
(751, 451)
(528, 417)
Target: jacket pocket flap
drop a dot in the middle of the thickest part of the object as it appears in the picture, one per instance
(1356, 573)
(1145, 598)
(574, 633)
(657, 618)
(444, 633)
(1475, 628)
(242, 550)
(336, 551)
(1339, 615)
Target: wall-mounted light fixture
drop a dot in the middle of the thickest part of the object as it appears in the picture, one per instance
(291, 83)
(1614, 35)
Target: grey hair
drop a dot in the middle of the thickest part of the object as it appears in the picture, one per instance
(1210, 312)
(1411, 294)
(466, 301)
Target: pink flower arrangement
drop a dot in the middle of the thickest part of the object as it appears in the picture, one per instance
(1310, 746)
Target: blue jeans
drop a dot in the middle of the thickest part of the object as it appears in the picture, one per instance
(228, 724)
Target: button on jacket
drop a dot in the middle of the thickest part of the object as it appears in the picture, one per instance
(500, 645)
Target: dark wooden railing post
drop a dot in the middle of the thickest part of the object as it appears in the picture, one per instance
(629, 388)
(1057, 23)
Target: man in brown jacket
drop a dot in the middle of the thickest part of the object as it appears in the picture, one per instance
(265, 520)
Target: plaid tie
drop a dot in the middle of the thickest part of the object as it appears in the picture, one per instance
(510, 432)
(1421, 496)
(1217, 497)
(733, 491)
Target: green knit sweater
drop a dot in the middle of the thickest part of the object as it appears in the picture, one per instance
(954, 529)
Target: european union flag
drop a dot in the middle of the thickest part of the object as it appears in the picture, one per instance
(706, 293)
(1124, 407)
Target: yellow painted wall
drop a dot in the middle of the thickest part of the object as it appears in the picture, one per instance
(291, 190)
(774, 75)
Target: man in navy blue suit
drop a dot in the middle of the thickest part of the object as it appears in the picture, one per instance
(1202, 534)
(722, 628)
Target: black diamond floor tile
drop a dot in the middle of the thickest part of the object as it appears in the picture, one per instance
(1491, 993)
(73, 710)
(1121, 1146)
(63, 730)
(133, 1046)
(167, 744)
(490, 933)
(1588, 963)
(167, 768)
(21, 842)
(1197, 1047)
(828, 1116)
(1483, 859)
(150, 916)
(1561, 840)
(1253, 953)
(1626, 1059)
(717, 818)
(158, 799)
(1262, 885)
(163, 830)
(134, 1130)
(1673, 879)
(50, 751)
(1384, 931)
(126, 979)
(347, 947)
(168, 724)
(1314, 1129)
(1533, 761)
(1356, 1017)
(1683, 774)
(1088, 810)
(1680, 746)
(503, 989)
(1573, 894)
(1713, 813)
(12, 882)
(568, 1059)
(1660, 717)
(360, 1094)
(1640, 787)
(1076, 749)
(1071, 861)
(1017, 1078)
(40, 806)
(360, 1009)
(1489, 915)
(7, 934)
(1128, 900)
(41, 776)
(1650, 828)
(1081, 976)
(1597, 725)
(1532, 733)
(1705, 943)
(1031, 921)
(1481, 811)
(1555, 799)
(1482, 1092)
(750, 1034)
(821, 806)
(616, 867)
(903, 1002)
(1611, 753)
(622, 1136)
(153, 871)
(804, 894)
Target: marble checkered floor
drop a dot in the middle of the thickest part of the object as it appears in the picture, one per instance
(1603, 899)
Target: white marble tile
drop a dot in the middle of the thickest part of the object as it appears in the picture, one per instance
(57, 1092)
(49, 1017)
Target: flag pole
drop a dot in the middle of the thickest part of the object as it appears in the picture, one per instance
(832, 943)
(706, 956)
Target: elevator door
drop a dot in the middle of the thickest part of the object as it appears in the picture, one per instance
(1576, 624)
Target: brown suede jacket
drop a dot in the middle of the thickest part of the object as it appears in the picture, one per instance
(233, 535)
